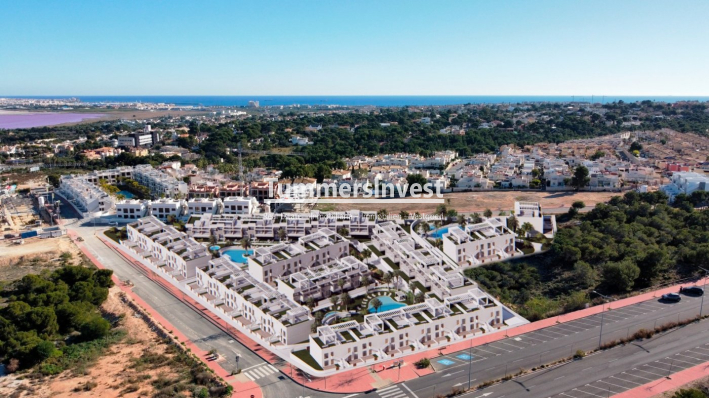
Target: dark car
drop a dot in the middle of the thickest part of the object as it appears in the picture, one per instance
(674, 297)
(692, 290)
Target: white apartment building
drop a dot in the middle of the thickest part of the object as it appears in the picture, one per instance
(272, 262)
(685, 182)
(400, 331)
(198, 206)
(531, 212)
(234, 294)
(131, 209)
(476, 244)
(267, 225)
(162, 208)
(240, 205)
(164, 246)
(419, 260)
(321, 282)
(85, 196)
(159, 183)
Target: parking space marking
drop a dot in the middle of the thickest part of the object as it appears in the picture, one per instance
(689, 356)
(652, 373)
(627, 381)
(680, 360)
(497, 348)
(534, 338)
(638, 376)
(510, 344)
(614, 385)
(588, 322)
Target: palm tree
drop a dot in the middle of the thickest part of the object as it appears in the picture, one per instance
(282, 234)
(487, 213)
(386, 278)
(245, 242)
(476, 218)
(310, 303)
(334, 300)
(366, 254)
(420, 297)
(438, 244)
(345, 299)
(525, 229)
(417, 215)
(382, 214)
(513, 223)
(462, 220)
(364, 279)
(343, 231)
(376, 304)
(341, 283)
(404, 215)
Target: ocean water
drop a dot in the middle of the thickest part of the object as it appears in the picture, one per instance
(385, 100)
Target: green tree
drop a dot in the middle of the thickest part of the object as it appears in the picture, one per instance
(580, 179)
(376, 304)
(487, 213)
(621, 275)
(382, 214)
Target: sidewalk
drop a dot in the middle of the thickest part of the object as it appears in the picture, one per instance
(360, 379)
(659, 386)
(246, 389)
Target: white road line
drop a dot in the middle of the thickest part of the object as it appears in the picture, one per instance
(587, 392)
(391, 393)
(657, 367)
(249, 376)
(629, 381)
(511, 345)
(615, 385)
(350, 396)
(560, 377)
(679, 360)
(689, 356)
(412, 393)
(385, 389)
(634, 375)
(274, 369)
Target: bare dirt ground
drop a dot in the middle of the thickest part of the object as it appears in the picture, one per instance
(118, 373)
(479, 201)
(32, 257)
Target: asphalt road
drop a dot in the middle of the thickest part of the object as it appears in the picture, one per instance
(486, 362)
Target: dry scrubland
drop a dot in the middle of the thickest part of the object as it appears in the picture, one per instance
(479, 201)
(32, 257)
(141, 364)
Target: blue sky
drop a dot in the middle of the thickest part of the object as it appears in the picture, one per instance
(337, 47)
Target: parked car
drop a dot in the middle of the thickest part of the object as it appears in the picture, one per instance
(692, 290)
(673, 297)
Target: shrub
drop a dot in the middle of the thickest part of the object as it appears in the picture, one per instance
(96, 327)
(579, 354)
(423, 363)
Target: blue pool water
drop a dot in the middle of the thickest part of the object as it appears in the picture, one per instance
(127, 194)
(388, 304)
(237, 255)
(439, 233)
(214, 248)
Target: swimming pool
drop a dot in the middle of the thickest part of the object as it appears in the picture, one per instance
(388, 304)
(237, 255)
(126, 194)
(438, 234)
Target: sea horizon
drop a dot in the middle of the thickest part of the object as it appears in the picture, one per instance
(357, 100)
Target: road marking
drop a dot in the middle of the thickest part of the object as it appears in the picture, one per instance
(452, 373)
(385, 389)
(350, 396)
(412, 393)
(638, 376)
(689, 356)
(560, 377)
(615, 385)
(629, 381)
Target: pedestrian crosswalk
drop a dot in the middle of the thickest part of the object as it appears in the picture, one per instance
(261, 371)
(392, 392)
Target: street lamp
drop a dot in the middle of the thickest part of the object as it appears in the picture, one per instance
(701, 306)
(603, 310)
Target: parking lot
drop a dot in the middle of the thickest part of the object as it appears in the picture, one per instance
(646, 373)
